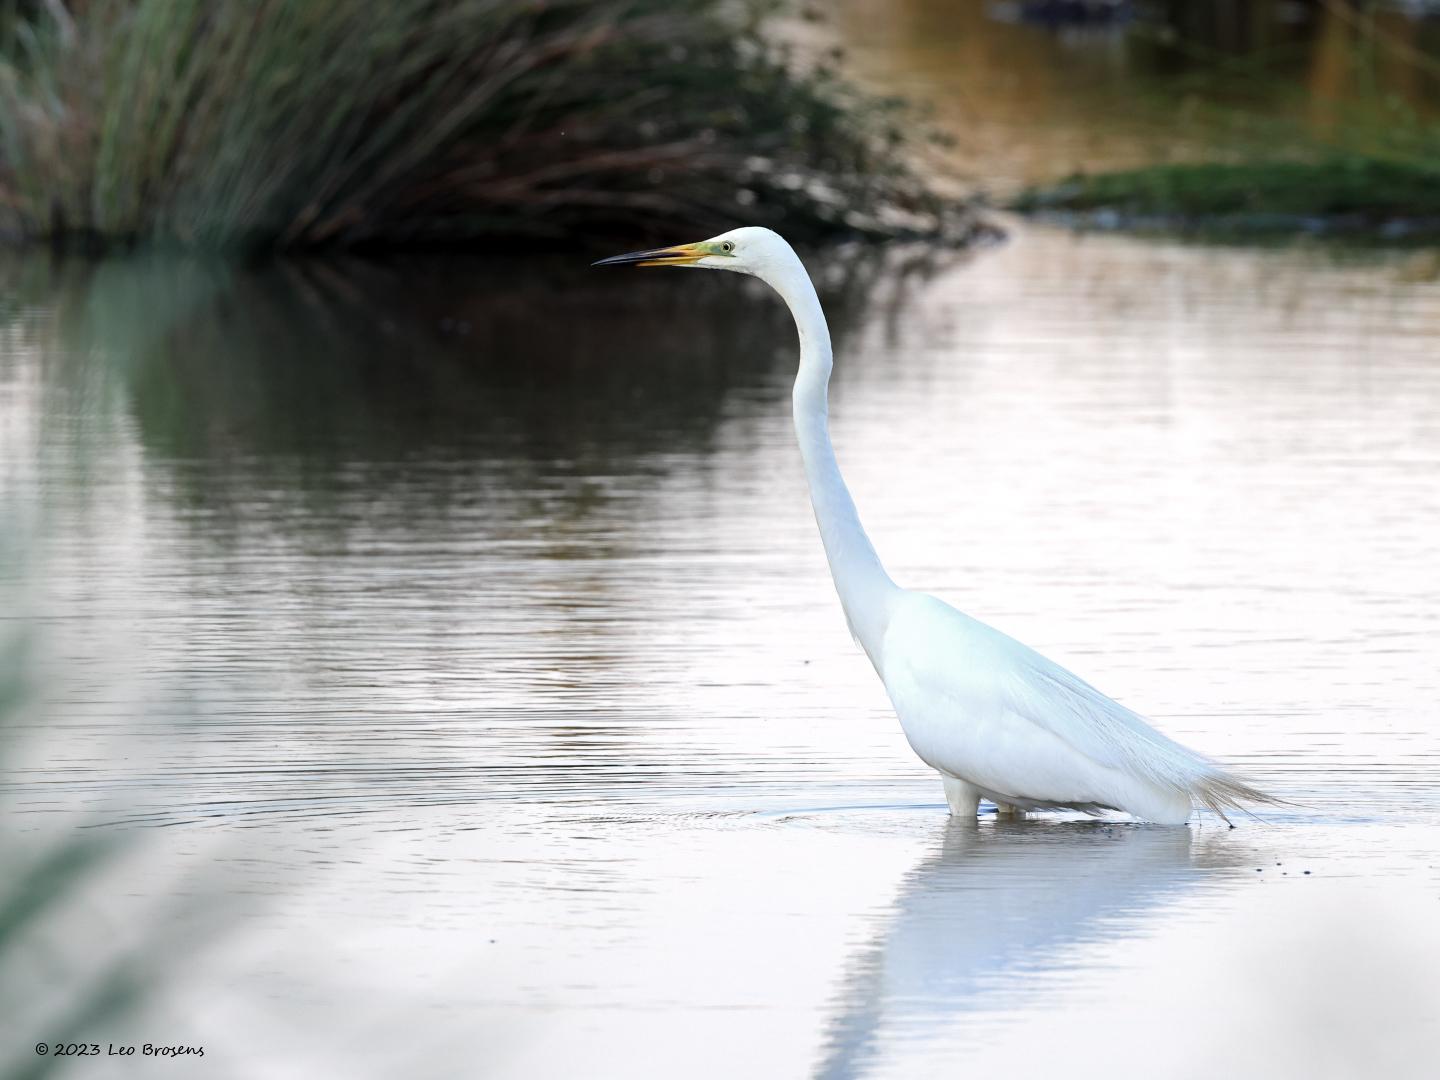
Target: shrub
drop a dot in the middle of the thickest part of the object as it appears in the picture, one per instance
(306, 123)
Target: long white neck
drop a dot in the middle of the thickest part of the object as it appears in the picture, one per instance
(866, 591)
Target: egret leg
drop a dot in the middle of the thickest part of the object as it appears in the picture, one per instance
(1005, 809)
(964, 800)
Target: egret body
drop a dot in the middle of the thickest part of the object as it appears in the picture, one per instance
(992, 716)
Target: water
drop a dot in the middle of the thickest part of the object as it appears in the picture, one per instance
(443, 663)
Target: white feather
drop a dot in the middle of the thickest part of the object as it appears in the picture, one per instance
(984, 708)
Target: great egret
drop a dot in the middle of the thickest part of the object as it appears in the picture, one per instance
(992, 716)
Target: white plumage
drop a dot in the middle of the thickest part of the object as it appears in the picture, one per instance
(992, 716)
(1001, 721)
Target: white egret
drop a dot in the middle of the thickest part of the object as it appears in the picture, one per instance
(992, 716)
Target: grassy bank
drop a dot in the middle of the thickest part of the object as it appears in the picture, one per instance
(1342, 137)
(312, 123)
(1340, 193)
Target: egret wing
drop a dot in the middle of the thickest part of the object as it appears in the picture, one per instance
(1010, 694)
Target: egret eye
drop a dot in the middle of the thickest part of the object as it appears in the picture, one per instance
(727, 246)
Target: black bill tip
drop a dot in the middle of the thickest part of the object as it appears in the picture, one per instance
(634, 257)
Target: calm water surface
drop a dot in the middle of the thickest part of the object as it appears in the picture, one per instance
(445, 660)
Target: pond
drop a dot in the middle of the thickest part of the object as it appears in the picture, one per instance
(447, 659)
(430, 668)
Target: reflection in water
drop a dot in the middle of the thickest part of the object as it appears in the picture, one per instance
(991, 906)
(318, 376)
(378, 491)
(370, 359)
(463, 628)
(394, 536)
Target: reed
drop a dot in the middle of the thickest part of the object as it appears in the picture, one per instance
(308, 123)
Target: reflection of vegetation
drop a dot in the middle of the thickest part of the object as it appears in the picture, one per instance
(344, 466)
(326, 361)
(302, 124)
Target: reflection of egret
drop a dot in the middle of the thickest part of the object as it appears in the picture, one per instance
(1043, 888)
(994, 717)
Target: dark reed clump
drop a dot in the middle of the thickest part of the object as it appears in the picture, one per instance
(313, 123)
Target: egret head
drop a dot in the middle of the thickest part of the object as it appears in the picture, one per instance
(747, 251)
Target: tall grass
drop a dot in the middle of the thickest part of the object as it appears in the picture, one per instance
(303, 123)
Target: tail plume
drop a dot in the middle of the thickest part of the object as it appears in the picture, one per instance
(1220, 791)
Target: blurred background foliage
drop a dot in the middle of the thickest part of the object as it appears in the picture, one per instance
(75, 967)
(1329, 114)
(303, 124)
(43, 876)
(220, 124)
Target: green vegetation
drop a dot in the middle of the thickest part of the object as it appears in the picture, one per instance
(1343, 137)
(307, 123)
(1338, 193)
